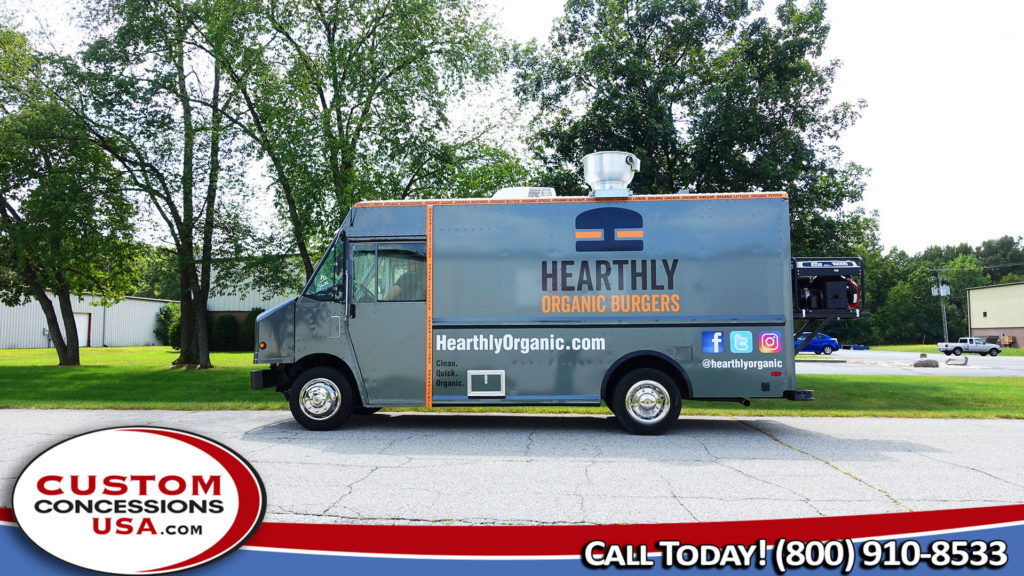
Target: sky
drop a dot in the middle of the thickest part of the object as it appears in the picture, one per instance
(943, 133)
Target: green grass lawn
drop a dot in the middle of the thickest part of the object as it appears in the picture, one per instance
(138, 377)
(141, 378)
(932, 349)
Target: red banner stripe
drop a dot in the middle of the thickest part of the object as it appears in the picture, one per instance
(569, 540)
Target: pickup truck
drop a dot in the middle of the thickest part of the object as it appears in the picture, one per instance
(977, 345)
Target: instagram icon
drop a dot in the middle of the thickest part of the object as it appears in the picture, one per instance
(769, 342)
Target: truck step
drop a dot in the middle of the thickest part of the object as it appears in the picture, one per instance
(800, 395)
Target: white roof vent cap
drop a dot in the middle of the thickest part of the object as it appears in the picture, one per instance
(609, 173)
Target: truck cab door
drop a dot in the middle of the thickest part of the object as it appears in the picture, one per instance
(320, 310)
(387, 320)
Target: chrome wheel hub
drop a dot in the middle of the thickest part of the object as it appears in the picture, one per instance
(647, 401)
(320, 398)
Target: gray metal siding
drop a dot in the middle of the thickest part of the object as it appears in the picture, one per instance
(126, 323)
(731, 258)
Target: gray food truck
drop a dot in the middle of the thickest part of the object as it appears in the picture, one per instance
(528, 298)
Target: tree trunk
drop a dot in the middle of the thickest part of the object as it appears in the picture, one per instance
(203, 294)
(70, 328)
(187, 353)
(52, 324)
(186, 251)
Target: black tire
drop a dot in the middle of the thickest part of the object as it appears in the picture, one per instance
(321, 398)
(363, 411)
(827, 350)
(957, 351)
(947, 353)
(646, 401)
(818, 352)
(993, 352)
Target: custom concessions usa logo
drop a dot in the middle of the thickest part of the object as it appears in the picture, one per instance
(139, 500)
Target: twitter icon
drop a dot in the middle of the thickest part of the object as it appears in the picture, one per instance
(741, 342)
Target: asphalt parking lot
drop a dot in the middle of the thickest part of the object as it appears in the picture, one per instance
(442, 468)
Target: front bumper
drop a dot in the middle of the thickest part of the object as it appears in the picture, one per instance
(275, 378)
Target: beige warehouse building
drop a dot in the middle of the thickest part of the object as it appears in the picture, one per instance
(997, 311)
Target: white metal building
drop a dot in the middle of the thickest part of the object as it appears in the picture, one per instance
(129, 322)
(243, 303)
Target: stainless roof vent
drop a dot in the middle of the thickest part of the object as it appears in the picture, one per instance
(609, 173)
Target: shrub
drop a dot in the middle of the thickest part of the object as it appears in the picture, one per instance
(174, 334)
(247, 334)
(168, 315)
(224, 336)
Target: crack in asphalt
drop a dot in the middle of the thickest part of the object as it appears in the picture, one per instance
(743, 473)
(394, 441)
(351, 489)
(827, 463)
(966, 467)
(529, 443)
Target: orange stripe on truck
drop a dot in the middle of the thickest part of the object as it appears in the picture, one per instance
(596, 234)
(428, 393)
(629, 234)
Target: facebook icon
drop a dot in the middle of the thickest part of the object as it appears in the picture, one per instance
(712, 342)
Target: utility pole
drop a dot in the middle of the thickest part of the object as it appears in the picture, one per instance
(942, 303)
(942, 292)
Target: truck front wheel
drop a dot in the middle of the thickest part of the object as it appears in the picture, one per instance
(957, 351)
(321, 398)
(994, 352)
(646, 401)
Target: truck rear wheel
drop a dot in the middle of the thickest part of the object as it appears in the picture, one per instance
(321, 398)
(646, 401)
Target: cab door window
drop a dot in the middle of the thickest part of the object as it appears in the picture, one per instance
(389, 272)
(327, 283)
(364, 273)
(402, 272)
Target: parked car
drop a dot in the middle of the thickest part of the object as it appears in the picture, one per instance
(820, 344)
(977, 345)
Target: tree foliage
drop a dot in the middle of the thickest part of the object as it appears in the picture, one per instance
(710, 98)
(66, 225)
(138, 87)
(898, 291)
(348, 100)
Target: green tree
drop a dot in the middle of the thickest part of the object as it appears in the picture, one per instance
(138, 86)
(65, 222)
(348, 100)
(963, 272)
(710, 99)
(1003, 258)
(158, 273)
